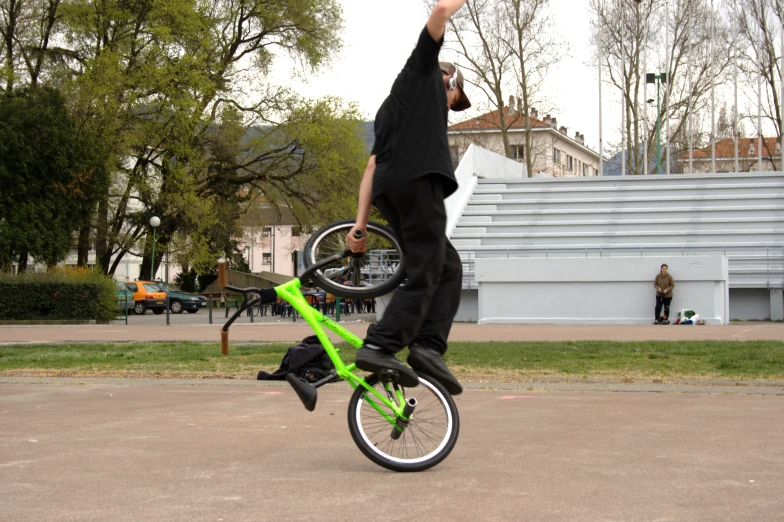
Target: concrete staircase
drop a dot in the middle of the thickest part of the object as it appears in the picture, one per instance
(737, 215)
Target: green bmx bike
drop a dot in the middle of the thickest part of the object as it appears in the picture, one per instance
(402, 429)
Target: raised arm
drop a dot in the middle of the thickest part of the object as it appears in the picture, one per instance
(442, 12)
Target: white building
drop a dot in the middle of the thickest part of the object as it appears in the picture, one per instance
(554, 152)
(270, 239)
(748, 157)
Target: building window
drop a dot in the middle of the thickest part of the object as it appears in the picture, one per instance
(518, 152)
(569, 163)
(556, 156)
(296, 231)
(454, 153)
(585, 169)
(266, 258)
(595, 172)
(267, 231)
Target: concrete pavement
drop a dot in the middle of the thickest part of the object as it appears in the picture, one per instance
(149, 452)
(287, 331)
(140, 449)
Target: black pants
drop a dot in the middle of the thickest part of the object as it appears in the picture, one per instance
(662, 301)
(422, 309)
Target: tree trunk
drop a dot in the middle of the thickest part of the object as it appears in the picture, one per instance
(102, 253)
(10, 33)
(83, 248)
(22, 266)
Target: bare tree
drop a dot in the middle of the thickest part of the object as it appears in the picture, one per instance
(535, 49)
(476, 33)
(759, 25)
(628, 31)
(508, 47)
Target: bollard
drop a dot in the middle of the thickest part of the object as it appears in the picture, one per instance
(209, 307)
(167, 310)
(222, 272)
(224, 342)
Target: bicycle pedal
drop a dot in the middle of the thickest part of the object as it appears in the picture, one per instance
(387, 376)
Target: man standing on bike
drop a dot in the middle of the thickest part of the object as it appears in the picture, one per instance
(407, 178)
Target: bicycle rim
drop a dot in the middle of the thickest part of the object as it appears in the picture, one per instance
(428, 438)
(375, 272)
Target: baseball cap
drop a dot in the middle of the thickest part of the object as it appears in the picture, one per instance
(462, 102)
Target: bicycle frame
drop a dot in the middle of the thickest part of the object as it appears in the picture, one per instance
(292, 294)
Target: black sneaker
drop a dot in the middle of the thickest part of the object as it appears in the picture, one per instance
(372, 360)
(429, 361)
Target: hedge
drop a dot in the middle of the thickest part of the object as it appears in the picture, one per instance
(61, 294)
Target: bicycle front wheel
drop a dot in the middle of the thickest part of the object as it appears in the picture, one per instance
(375, 272)
(427, 440)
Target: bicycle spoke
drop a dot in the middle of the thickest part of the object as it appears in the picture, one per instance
(424, 434)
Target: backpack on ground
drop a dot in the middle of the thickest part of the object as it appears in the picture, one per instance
(308, 360)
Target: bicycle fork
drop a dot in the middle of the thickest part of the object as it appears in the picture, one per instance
(401, 423)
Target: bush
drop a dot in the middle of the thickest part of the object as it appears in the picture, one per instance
(60, 294)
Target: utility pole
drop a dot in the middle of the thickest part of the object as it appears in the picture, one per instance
(658, 79)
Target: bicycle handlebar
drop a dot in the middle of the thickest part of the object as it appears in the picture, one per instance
(243, 291)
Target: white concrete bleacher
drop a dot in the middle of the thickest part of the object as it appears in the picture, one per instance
(737, 215)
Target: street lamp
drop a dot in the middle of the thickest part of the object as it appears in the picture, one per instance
(155, 221)
(658, 79)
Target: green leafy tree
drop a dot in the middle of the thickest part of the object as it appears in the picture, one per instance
(178, 90)
(175, 99)
(49, 174)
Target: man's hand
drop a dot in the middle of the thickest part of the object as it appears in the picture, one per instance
(354, 244)
(442, 12)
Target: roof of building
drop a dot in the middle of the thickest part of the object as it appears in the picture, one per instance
(492, 120)
(726, 149)
(516, 120)
(265, 214)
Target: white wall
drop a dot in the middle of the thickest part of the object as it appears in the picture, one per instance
(477, 163)
(749, 303)
(468, 311)
(489, 164)
(590, 290)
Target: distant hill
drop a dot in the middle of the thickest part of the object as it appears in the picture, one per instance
(612, 167)
(367, 135)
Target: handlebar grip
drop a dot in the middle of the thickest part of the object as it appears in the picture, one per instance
(358, 234)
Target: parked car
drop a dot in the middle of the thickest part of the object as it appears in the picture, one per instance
(147, 295)
(124, 297)
(180, 300)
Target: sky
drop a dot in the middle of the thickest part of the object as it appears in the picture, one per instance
(379, 36)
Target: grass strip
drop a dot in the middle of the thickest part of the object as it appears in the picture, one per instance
(506, 361)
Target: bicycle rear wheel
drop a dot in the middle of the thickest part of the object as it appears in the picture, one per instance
(373, 273)
(427, 440)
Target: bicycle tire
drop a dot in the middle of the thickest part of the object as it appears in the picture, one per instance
(372, 432)
(375, 272)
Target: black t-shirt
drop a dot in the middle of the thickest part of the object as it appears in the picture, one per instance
(410, 126)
